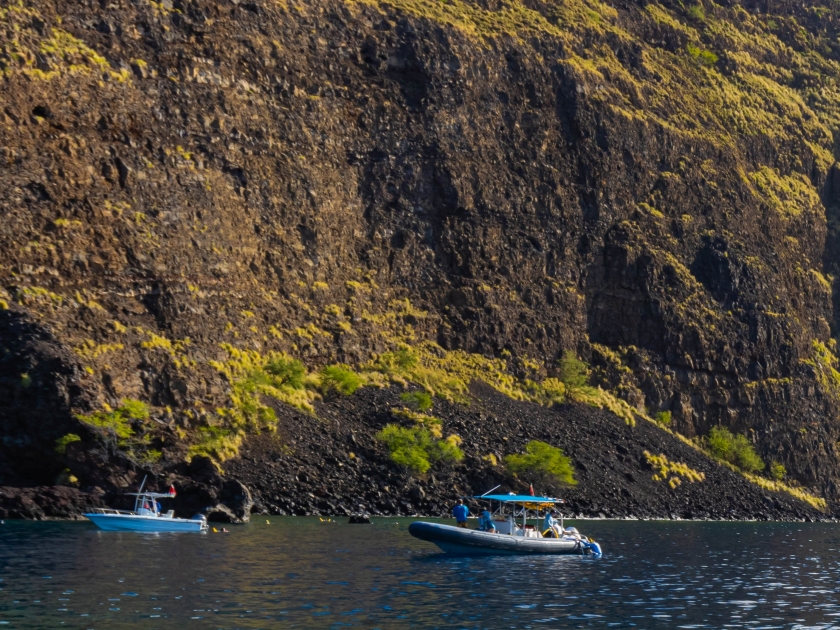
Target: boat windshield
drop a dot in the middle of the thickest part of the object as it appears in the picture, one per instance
(146, 502)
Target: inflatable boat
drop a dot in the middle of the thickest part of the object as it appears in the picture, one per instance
(513, 533)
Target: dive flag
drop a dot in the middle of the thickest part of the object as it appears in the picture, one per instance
(172, 490)
(531, 490)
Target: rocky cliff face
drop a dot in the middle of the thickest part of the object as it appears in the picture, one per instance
(649, 185)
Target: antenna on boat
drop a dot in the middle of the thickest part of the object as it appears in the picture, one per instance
(491, 490)
(144, 483)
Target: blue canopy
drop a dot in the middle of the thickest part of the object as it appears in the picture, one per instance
(518, 498)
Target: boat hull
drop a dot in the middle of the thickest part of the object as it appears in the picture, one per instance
(150, 524)
(473, 542)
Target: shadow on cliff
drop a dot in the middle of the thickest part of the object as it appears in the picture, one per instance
(40, 382)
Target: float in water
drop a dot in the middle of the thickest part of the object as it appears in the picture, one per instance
(514, 534)
(146, 517)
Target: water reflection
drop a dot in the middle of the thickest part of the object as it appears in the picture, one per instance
(305, 573)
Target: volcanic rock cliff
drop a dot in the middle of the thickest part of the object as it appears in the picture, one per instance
(651, 186)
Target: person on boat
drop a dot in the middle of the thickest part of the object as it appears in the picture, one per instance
(485, 522)
(460, 512)
(551, 526)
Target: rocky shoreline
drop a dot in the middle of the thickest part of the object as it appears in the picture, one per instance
(331, 464)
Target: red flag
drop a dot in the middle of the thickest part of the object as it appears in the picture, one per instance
(172, 490)
(531, 490)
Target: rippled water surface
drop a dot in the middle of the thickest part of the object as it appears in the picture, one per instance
(298, 572)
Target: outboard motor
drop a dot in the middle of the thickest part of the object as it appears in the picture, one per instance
(592, 547)
(199, 517)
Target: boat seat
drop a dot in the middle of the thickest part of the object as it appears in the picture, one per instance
(170, 514)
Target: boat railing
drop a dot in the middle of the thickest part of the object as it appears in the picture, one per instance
(110, 511)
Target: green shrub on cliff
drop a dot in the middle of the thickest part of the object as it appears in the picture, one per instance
(825, 363)
(286, 371)
(252, 376)
(341, 379)
(118, 421)
(697, 12)
(777, 471)
(62, 443)
(416, 448)
(735, 449)
(216, 443)
(663, 418)
(705, 57)
(432, 423)
(574, 373)
(542, 462)
(134, 409)
(419, 401)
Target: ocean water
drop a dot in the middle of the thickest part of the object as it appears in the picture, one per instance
(301, 572)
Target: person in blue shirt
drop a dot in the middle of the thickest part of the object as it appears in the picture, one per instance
(485, 522)
(551, 526)
(460, 512)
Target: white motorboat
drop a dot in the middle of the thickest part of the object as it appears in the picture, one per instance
(513, 533)
(146, 517)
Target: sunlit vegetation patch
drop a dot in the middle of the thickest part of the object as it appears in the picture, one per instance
(90, 350)
(786, 195)
(662, 418)
(427, 365)
(63, 442)
(777, 486)
(417, 449)
(117, 422)
(542, 462)
(447, 375)
(177, 350)
(773, 485)
(252, 375)
(216, 443)
(420, 401)
(38, 296)
(341, 379)
(510, 17)
(432, 423)
(597, 397)
(47, 54)
(119, 425)
(705, 57)
(672, 472)
(735, 449)
(825, 363)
